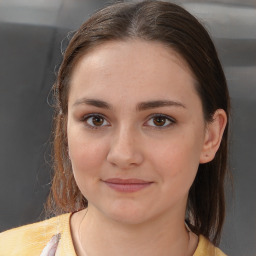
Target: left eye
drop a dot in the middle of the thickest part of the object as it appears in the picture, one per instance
(160, 121)
(96, 121)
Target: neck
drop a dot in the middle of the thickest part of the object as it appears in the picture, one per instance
(100, 235)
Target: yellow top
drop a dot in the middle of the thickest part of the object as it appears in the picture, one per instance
(33, 238)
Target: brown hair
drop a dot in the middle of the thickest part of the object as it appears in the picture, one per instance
(175, 27)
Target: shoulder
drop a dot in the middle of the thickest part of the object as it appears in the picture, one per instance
(206, 248)
(31, 239)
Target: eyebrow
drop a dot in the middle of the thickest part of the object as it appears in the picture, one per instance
(157, 104)
(92, 102)
(140, 107)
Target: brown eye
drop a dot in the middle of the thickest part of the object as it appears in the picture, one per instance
(95, 121)
(159, 120)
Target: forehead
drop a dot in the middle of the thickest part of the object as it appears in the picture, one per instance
(131, 68)
(131, 50)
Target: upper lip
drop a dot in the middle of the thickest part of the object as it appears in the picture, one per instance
(126, 181)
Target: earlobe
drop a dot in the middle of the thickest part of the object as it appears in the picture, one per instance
(213, 136)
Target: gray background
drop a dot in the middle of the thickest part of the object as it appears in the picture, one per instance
(31, 33)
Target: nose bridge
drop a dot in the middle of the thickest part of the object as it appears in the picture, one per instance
(124, 149)
(125, 136)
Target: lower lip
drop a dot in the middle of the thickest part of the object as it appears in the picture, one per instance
(129, 187)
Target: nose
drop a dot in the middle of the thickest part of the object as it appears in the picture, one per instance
(125, 151)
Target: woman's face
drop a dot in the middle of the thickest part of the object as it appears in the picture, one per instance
(135, 130)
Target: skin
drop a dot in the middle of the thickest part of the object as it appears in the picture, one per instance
(127, 142)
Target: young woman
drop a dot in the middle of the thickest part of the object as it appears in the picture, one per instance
(140, 145)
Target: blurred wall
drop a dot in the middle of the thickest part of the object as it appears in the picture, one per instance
(31, 33)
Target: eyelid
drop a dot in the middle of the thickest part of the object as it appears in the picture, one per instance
(169, 118)
(86, 117)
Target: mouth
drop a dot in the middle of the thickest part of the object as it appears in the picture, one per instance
(127, 185)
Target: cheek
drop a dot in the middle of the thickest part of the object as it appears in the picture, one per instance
(87, 156)
(177, 162)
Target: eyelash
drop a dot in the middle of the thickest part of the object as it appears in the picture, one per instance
(166, 118)
(96, 115)
(171, 120)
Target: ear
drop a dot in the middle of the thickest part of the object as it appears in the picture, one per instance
(213, 136)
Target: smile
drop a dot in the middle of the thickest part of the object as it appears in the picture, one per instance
(127, 185)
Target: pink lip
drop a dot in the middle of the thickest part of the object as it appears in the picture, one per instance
(127, 185)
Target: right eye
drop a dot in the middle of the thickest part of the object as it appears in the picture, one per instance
(95, 121)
